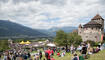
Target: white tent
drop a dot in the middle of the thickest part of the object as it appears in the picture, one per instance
(40, 42)
(51, 45)
(36, 45)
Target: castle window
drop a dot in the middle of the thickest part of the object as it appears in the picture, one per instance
(95, 36)
(92, 28)
(86, 36)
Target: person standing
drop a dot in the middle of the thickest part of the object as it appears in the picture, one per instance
(72, 49)
(48, 54)
(52, 52)
(84, 50)
(40, 55)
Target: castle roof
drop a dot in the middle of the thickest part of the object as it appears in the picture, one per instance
(92, 24)
(97, 17)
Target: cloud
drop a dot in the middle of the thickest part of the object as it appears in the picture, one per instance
(44, 14)
(53, 2)
(4, 1)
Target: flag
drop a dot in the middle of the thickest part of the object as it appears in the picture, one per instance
(102, 37)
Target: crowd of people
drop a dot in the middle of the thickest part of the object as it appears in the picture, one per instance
(18, 53)
(85, 50)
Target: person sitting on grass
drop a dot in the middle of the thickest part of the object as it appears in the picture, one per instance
(81, 57)
(75, 57)
(90, 50)
(52, 58)
(63, 54)
(58, 54)
(97, 50)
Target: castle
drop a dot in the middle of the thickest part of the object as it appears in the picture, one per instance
(93, 30)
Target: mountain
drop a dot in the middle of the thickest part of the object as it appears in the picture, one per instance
(52, 31)
(8, 28)
(65, 29)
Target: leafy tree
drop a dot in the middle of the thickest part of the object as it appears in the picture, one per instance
(3, 45)
(74, 38)
(60, 38)
(64, 39)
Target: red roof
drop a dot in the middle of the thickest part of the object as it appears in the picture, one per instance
(92, 24)
(97, 17)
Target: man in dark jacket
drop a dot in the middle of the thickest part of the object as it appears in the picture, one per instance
(84, 51)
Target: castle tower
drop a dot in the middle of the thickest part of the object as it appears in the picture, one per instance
(80, 29)
(99, 20)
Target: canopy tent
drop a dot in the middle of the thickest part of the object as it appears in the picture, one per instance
(22, 42)
(27, 42)
(51, 45)
(36, 45)
(40, 42)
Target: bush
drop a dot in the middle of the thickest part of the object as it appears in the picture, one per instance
(92, 43)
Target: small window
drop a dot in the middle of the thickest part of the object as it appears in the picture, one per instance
(95, 36)
(86, 36)
(92, 28)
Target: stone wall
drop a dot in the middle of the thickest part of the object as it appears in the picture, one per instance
(100, 21)
(93, 34)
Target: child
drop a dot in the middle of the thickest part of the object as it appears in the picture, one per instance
(58, 54)
(75, 57)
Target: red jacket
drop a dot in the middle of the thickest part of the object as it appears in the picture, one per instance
(52, 59)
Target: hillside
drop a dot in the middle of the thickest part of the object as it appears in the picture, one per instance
(8, 28)
(52, 31)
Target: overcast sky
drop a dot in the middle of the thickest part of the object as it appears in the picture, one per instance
(44, 14)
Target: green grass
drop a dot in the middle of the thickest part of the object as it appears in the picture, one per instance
(66, 57)
(97, 56)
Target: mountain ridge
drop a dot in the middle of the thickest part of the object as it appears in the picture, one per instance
(8, 28)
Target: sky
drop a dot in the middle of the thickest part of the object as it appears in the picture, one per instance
(45, 14)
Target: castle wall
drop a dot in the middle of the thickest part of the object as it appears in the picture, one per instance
(91, 34)
(100, 21)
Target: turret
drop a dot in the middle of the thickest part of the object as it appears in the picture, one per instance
(99, 20)
(80, 29)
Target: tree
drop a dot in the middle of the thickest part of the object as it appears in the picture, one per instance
(3, 45)
(64, 39)
(74, 38)
(61, 38)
